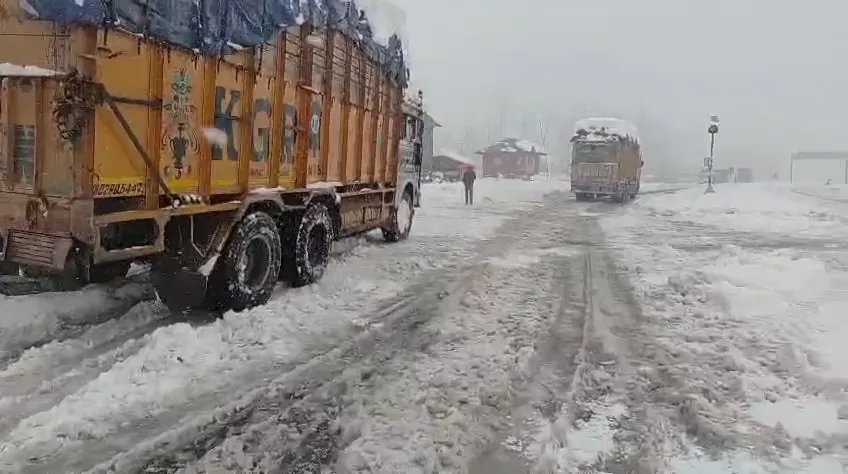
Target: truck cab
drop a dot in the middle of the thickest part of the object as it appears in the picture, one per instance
(411, 153)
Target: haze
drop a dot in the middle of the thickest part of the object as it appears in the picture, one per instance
(774, 71)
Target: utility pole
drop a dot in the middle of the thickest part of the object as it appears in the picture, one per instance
(712, 130)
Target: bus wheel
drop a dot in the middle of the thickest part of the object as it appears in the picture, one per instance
(308, 245)
(251, 263)
(401, 222)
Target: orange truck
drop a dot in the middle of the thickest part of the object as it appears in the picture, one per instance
(606, 160)
(229, 143)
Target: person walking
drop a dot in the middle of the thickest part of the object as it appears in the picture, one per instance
(468, 178)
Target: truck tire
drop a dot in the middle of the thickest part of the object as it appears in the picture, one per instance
(308, 244)
(401, 221)
(247, 272)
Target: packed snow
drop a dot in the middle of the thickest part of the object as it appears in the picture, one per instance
(746, 288)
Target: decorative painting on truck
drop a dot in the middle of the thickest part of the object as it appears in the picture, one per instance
(180, 135)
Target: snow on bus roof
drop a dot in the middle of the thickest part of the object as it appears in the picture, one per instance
(613, 127)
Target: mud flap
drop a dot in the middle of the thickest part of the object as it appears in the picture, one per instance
(179, 289)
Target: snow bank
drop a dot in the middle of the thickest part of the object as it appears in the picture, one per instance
(747, 289)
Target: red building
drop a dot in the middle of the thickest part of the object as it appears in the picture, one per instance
(511, 158)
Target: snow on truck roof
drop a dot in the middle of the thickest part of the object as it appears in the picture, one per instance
(604, 129)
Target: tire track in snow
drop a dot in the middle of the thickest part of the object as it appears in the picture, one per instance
(545, 387)
(602, 400)
(294, 427)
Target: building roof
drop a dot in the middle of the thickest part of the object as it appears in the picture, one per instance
(512, 145)
(452, 155)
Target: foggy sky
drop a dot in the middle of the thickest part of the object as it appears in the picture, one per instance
(775, 72)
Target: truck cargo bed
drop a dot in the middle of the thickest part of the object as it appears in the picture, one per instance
(310, 107)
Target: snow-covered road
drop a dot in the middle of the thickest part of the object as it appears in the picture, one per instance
(103, 391)
(530, 333)
(746, 292)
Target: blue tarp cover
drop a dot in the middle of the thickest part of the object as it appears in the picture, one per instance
(212, 27)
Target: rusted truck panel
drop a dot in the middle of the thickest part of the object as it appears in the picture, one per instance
(109, 139)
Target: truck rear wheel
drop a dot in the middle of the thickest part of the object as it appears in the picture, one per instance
(247, 274)
(401, 222)
(308, 245)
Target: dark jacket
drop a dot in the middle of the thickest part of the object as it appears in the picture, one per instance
(468, 176)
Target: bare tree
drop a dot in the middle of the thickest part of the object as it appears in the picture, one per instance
(543, 135)
(463, 141)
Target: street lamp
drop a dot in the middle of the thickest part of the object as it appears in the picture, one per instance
(712, 130)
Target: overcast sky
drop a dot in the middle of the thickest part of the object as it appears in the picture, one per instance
(775, 71)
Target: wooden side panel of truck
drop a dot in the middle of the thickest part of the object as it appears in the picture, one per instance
(172, 134)
(297, 113)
